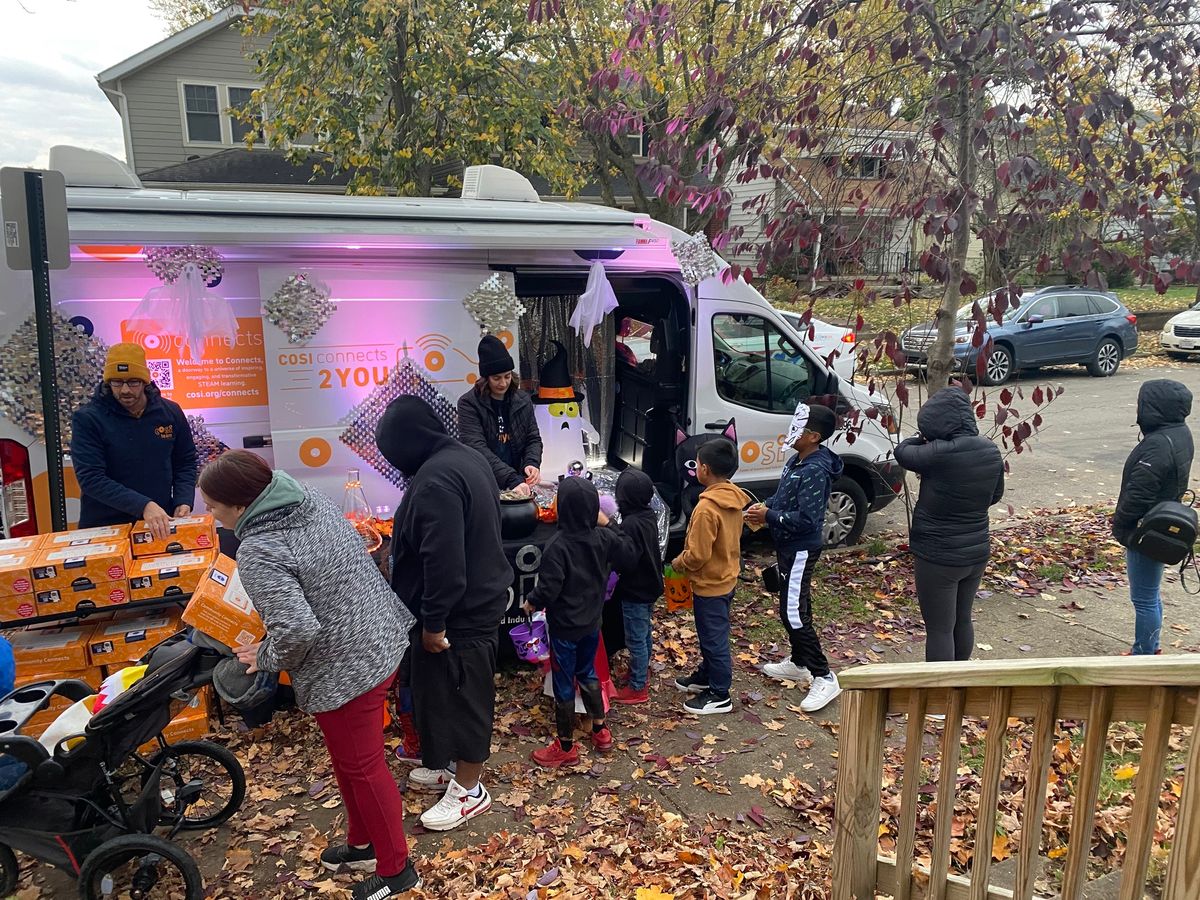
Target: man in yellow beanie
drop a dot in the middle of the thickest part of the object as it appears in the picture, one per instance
(132, 449)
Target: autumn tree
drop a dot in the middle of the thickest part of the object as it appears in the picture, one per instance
(991, 71)
(391, 90)
(179, 14)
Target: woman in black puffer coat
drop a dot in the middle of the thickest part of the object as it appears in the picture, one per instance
(962, 476)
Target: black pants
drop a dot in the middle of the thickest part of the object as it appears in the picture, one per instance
(795, 609)
(454, 700)
(946, 594)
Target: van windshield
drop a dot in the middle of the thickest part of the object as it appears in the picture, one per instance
(964, 312)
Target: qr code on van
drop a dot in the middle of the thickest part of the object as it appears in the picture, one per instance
(162, 373)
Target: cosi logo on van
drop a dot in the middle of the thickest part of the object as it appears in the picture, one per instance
(166, 432)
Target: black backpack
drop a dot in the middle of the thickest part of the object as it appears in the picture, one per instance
(1167, 533)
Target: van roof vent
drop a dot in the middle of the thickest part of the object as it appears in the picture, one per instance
(91, 168)
(497, 183)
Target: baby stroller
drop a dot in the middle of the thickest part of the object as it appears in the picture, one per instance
(97, 807)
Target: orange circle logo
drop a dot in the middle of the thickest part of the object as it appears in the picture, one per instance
(472, 378)
(315, 452)
(750, 452)
(507, 338)
(434, 360)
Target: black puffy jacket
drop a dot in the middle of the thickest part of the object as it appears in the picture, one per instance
(1159, 466)
(641, 578)
(962, 475)
(477, 428)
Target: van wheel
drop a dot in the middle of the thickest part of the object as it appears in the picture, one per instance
(9, 871)
(846, 514)
(997, 366)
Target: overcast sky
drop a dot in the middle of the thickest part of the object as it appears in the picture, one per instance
(50, 53)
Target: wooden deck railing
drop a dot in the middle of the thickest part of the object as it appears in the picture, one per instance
(1156, 691)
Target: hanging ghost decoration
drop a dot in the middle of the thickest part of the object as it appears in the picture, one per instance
(558, 410)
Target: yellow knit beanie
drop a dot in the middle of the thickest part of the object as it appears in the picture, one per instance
(126, 361)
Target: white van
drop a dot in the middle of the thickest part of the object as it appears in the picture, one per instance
(398, 269)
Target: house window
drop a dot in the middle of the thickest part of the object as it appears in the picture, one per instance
(872, 167)
(634, 144)
(202, 113)
(239, 98)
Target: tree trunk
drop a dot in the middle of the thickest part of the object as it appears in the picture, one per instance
(941, 353)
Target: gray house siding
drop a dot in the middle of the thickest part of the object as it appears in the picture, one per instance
(156, 123)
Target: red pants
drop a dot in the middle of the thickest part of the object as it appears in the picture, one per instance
(374, 810)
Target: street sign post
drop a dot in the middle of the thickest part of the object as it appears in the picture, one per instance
(33, 203)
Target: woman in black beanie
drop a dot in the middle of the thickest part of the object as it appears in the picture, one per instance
(496, 418)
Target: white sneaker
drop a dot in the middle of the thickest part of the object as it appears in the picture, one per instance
(787, 671)
(823, 691)
(455, 807)
(423, 779)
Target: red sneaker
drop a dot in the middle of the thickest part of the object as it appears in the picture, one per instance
(630, 697)
(553, 756)
(602, 740)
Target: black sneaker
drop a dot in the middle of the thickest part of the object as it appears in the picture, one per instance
(343, 855)
(708, 703)
(379, 888)
(692, 684)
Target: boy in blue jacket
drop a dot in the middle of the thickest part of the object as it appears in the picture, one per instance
(796, 516)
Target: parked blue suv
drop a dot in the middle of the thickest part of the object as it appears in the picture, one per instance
(1052, 326)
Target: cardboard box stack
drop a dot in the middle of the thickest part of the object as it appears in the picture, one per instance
(94, 572)
(17, 556)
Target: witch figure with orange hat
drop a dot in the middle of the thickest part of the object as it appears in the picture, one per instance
(560, 420)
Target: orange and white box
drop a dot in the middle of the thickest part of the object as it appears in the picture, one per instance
(82, 597)
(188, 534)
(166, 576)
(80, 565)
(126, 640)
(101, 534)
(14, 609)
(22, 544)
(16, 567)
(50, 649)
(221, 608)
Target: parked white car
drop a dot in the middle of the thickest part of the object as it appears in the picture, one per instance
(1181, 335)
(827, 339)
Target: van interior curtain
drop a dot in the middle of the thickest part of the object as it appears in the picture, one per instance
(592, 368)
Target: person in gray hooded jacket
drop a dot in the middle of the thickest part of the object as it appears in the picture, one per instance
(962, 477)
(338, 630)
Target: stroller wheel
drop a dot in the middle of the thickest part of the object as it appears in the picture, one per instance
(9, 871)
(220, 783)
(140, 867)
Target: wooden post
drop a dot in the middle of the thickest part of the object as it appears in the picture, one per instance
(1083, 817)
(914, 739)
(989, 793)
(1035, 793)
(939, 862)
(1147, 791)
(860, 776)
(1183, 871)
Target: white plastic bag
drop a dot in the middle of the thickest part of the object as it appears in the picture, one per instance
(186, 308)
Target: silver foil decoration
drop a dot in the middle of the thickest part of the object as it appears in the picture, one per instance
(406, 379)
(494, 304)
(167, 262)
(300, 308)
(208, 445)
(79, 361)
(605, 480)
(696, 258)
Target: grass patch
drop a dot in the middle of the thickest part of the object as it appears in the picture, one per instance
(1143, 298)
(1052, 572)
(840, 605)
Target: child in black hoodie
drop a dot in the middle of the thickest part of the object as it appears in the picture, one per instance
(641, 581)
(571, 583)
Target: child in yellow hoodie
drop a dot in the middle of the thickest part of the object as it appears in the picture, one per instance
(712, 560)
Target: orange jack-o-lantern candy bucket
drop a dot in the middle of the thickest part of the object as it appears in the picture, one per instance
(678, 590)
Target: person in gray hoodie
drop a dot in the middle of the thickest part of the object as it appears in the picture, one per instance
(335, 626)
